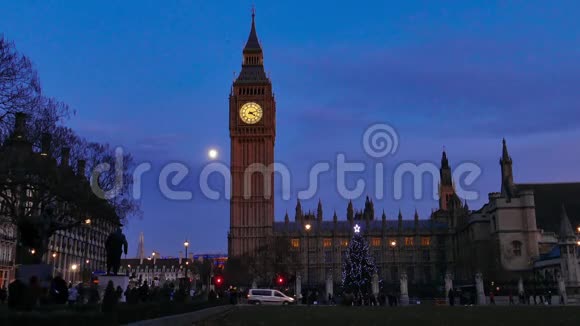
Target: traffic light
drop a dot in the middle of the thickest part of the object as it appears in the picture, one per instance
(280, 280)
(218, 280)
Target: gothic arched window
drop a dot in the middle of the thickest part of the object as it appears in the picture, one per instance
(517, 248)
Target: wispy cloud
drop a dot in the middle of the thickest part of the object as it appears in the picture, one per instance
(481, 86)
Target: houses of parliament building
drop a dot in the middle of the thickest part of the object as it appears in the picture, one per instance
(523, 231)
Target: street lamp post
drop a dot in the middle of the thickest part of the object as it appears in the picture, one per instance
(74, 271)
(85, 261)
(54, 263)
(186, 245)
(308, 227)
(393, 245)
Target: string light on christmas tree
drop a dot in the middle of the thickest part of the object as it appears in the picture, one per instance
(358, 266)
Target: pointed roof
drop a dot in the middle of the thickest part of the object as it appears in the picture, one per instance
(253, 43)
(505, 156)
(444, 161)
(566, 230)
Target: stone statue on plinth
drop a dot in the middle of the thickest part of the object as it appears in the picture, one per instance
(448, 285)
(562, 289)
(375, 284)
(404, 299)
(479, 289)
(298, 288)
(115, 245)
(329, 284)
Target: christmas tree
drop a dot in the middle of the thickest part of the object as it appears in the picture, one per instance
(358, 267)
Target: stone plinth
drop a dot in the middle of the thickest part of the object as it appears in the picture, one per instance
(448, 285)
(480, 290)
(329, 285)
(298, 289)
(118, 280)
(404, 300)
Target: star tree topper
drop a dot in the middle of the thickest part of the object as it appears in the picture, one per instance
(356, 229)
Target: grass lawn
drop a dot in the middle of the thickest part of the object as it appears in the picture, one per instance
(412, 315)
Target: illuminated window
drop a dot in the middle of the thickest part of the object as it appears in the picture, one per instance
(517, 246)
(408, 241)
(344, 243)
(295, 243)
(425, 241)
(376, 242)
(327, 243)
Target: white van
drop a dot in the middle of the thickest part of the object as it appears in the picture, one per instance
(267, 296)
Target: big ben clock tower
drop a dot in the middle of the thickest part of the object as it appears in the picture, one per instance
(252, 135)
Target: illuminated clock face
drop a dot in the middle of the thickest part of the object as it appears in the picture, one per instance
(251, 113)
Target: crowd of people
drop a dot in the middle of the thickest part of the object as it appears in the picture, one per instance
(21, 295)
(25, 296)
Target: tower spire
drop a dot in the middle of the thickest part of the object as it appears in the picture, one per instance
(566, 230)
(416, 219)
(504, 154)
(446, 190)
(253, 62)
(141, 246)
(253, 43)
(507, 177)
(444, 161)
(400, 220)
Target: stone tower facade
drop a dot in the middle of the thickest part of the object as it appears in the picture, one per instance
(252, 122)
(446, 190)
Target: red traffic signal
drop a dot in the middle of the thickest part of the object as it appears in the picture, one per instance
(219, 280)
(280, 280)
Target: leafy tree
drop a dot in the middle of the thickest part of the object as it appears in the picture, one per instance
(358, 267)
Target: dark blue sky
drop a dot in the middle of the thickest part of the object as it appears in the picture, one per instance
(154, 77)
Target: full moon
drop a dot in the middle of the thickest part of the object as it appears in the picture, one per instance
(212, 153)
